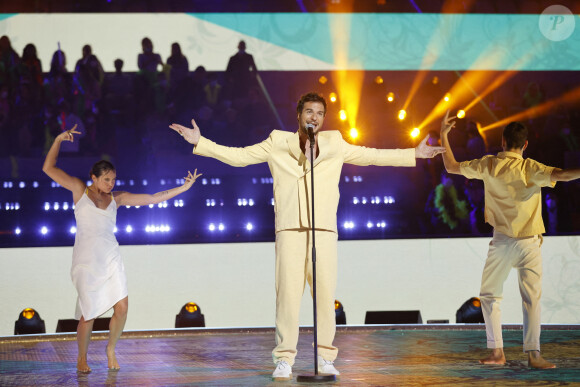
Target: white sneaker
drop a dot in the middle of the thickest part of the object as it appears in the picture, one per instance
(326, 367)
(283, 371)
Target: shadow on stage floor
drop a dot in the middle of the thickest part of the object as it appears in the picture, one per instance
(379, 355)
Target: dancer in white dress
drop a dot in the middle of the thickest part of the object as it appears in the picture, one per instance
(97, 269)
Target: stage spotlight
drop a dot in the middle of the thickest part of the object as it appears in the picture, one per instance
(339, 312)
(379, 80)
(332, 97)
(353, 133)
(390, 97)
(461, 114)
(342, 115)
(415, 132)
(470, 312)
(190, 316)
(29, 323)
(447, 97)
(322, 80)
(402, 114)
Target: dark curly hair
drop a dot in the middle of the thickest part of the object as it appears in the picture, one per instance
(310, 97)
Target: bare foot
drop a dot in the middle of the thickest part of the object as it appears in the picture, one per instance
(496, 357)
(82, 365)
(535, 360)
(112, 359)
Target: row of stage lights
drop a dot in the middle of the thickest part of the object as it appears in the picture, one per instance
(390, 98)
(211, 227)
(145, 182)
(65, 206)
(178, 203)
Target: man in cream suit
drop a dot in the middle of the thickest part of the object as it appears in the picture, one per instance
(288, 156)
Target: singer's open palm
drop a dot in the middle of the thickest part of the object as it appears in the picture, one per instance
(190, 135)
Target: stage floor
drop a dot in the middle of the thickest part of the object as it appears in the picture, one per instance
(384, 355)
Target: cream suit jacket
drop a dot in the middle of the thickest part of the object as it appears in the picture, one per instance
(291, 172)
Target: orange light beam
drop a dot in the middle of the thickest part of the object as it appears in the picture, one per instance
(433, 48)
(536, 111)
(506, 75)
(348, 84)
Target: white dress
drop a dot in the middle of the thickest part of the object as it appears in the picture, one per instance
(97, 270)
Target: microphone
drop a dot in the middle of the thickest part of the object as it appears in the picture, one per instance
(310, 130)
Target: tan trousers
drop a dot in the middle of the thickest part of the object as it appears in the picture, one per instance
(506, 253)
(293, 269)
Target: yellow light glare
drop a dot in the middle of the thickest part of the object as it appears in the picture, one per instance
(28, 313)
(435, 80)
(353, 133)
(332, 97)
(342, 115)
(402, 114)
(191, 307)
(390, 97)
(322, 80)
(460, 113)
(415, 132)
(379, 80)
(447, 97)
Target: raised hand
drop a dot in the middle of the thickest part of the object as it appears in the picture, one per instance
(67, 135)
(424, 151)
(190, 135)
(447, 124)
(190, 179)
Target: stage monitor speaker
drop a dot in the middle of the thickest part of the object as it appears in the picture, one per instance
(70, 325)
(394, 317)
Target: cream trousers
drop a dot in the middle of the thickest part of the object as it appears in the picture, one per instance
(293, 269)
(504, 254)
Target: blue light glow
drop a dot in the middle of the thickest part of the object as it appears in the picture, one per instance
(249, 226)
(22, 184)
(221, 227)
(35, 184)
(44, 230)
(211, 227)
(73, 230)
(17, 231)
(129, 229)
(349, 225)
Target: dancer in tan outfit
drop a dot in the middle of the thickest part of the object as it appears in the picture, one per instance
(513, 206)
(287, 155)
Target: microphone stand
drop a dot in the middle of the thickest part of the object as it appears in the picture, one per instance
(316, 378)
